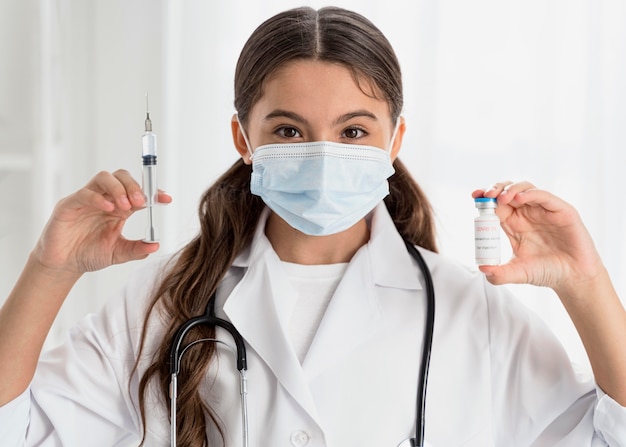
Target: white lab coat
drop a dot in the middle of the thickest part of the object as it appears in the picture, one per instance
(497, 377)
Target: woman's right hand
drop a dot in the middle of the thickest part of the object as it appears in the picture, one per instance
(84, 232)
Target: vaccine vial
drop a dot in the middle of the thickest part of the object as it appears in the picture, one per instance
(487, 232)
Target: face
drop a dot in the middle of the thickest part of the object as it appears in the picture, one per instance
(311, 100)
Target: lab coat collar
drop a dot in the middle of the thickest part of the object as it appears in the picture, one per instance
(392, 265)
(257, 304)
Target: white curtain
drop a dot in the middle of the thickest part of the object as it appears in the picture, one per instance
(495, 89)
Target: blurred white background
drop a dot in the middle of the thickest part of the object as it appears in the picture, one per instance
(495, 89)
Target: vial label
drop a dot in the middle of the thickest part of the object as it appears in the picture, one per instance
(487, 240)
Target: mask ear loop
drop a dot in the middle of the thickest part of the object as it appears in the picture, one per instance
(393, 135)
(245, 137)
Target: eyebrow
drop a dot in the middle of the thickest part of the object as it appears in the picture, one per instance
(280, 113)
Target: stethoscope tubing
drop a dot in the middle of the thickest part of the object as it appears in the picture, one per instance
(209, 319)
(176, 355)
(427, 349)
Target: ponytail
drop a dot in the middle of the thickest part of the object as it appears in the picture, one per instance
(229, 214)
(410, 209)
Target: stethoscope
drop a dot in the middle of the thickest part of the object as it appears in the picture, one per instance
(209, 318)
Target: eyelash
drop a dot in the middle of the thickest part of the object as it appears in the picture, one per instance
(361, 133)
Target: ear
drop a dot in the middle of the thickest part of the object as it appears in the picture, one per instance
(239, 140)
(397, 143)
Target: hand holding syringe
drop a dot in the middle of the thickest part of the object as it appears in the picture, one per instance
(149, 178)
(84, 232)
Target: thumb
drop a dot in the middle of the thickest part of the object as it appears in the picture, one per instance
(128, 250)
(504, 274)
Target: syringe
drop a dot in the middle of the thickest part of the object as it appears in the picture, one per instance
(149, 177)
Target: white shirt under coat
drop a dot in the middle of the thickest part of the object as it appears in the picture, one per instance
(498, 377)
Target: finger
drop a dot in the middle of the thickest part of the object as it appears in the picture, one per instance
(108, 185)
(133, 189)
(510, 191)
(164, 197)
(85, 198)
(536, 197)
(539, 197)
(491, 191)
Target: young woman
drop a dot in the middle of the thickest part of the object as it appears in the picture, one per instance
(302, 242)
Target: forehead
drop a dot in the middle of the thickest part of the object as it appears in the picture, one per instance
(319, 89)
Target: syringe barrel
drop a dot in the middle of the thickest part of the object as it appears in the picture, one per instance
(149, 161)
(149, 143)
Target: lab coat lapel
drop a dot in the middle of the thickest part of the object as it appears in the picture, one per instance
(257, 307)
(356, 312)
(352, 317)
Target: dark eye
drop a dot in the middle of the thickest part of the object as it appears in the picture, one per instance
(354, 133)
(288, 132)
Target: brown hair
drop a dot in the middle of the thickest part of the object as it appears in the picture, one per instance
(229, 213)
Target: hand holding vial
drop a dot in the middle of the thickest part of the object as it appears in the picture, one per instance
(550, 243)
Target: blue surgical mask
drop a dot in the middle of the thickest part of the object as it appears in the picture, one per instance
(321, 188)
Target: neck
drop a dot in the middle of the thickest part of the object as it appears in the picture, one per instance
(294, 246)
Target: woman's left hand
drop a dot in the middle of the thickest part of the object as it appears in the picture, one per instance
(551, 246)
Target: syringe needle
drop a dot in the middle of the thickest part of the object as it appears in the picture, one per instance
(148, 122)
